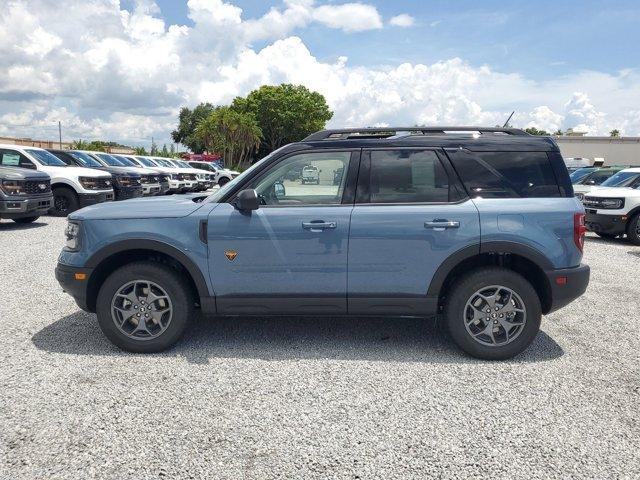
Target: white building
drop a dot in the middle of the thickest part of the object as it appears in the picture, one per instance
(614, 150)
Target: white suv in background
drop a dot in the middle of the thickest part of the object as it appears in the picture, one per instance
(175, 185)
(221, 175)
(183, 175)
(72, 187)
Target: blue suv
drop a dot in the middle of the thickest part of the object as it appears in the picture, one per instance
(479, 225)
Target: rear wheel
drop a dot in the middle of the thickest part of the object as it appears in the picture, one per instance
(493, 313)
(65, 201)
(144, 307)
(633, 230)
(25, 219)
(223, 181)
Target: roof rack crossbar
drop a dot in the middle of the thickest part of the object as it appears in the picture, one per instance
(386, 132)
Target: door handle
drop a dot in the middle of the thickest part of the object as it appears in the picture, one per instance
(441, 225)
(319, 225)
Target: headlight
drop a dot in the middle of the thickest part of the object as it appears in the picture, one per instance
(174, 176)
(12, 187)
(94, 183)
(72, 234)
(612, 203)
(124, 180)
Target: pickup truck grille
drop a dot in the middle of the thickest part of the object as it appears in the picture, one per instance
(190, 176)
(145, 179)
(33, 187)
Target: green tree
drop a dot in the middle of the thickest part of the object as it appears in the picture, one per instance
(233, 134)
(558, 132)
(535, 131)
(140, 151)
(83, 145)
(188, 121)
(614, 133)
(285, 113)
(164, 152)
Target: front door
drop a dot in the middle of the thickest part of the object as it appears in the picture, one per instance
(290, 255)
(408, 219)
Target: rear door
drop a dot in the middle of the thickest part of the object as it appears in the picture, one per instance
(410, 216)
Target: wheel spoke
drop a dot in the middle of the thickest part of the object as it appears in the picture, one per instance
(126, 314)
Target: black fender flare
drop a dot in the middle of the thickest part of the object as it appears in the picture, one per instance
(154, 245)
(470, 251)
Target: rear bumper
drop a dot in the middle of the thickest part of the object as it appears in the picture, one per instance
(25, 207)
(87, 199)
(66, 276)
(567, 284)
(612, 224)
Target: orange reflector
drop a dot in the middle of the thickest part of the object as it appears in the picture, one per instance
(561, 280)
(80, 276)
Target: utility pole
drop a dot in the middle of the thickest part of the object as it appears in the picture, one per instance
(60, 134)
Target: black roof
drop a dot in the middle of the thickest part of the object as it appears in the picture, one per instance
(470, 138)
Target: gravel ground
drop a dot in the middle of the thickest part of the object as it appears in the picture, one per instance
(314, 398)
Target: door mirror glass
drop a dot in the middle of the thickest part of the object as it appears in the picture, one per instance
(279, 190)
(247, 200)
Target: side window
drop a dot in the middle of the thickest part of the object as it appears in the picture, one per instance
(596, 178)
(13, 158)
(507, 174)
(407, 176)
(305, 179)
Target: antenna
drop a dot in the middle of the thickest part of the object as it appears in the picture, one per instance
(506, 124)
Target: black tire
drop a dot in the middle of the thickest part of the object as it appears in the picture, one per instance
(633, 230)
(606, 236)
(465, 288)
(26, 219)
(65, 201)
(176, 288)
(223, 181)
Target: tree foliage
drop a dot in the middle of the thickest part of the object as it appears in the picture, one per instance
(140, 151)
(188, 121)
(614, 133)
(285, 113)
(233, 134)
(535, 131)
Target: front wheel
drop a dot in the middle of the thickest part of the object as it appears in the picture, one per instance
(493, 313)
(144, 307)
(65, 201)
(26, 219)
(633, 230)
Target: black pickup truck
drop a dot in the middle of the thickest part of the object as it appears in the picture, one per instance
(24, 194)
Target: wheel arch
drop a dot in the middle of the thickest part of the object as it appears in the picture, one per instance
(522, 259)
(116, 255)
(65, 185)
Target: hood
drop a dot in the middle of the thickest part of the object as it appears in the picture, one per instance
(614, 192)
(17, 173)
(120, 171)
(144, 207)
(73, 171)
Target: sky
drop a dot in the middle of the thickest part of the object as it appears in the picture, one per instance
(121, 70)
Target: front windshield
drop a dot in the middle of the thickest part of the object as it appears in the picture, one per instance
(109, 160)
(165, 163)
(125, 161)
(46, 158)
(146, 162)
(85, 160)
(182, 164)
(580, 174)
(621, 179)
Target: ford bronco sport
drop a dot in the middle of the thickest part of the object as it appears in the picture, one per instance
(479, 225)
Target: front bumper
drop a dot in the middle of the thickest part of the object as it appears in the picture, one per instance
(611, 224)
(87, 199)
(77, 288)
(567, 284)
(189, 185)
(164, 188)
(176, 185)
(124, 193)
(150, 189)
(25, 207)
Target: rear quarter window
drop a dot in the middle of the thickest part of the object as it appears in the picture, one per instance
(507, 174)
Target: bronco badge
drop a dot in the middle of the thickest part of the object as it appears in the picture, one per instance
(231, 255)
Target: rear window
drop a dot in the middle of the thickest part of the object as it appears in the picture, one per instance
(507, 174)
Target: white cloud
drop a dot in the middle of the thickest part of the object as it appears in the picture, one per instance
(125, 77)
(402, 20)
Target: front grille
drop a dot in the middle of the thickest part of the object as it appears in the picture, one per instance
(33, 187)
(103, 183)
(190, 176)
(593, 202)
(149, 179)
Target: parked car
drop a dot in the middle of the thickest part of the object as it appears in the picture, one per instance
(125, 183)
(73, 187)
(184, 175)
(25, 194)
(585, 184)
(580, 173)
(205, 180)
(614, 211)
(148, 180)
(482, 228)
(169, 179)
(156, 176)
(310, 174)
(221, 175)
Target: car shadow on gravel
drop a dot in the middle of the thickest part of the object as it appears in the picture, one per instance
(9, 226)
(289, 338)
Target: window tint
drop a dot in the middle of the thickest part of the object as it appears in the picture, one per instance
(46, 158)
(407, 176)
(85, 160)
(305, 179)
(507, 174)
(12, 158)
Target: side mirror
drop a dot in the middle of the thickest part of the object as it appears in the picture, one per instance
(279, 190)
(591, 182)
(247, 200)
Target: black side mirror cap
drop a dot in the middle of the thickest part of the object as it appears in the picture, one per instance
(247, 200)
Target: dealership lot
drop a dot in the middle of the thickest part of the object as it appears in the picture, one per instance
(314, 397)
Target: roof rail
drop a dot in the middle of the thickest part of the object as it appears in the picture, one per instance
(386, 132)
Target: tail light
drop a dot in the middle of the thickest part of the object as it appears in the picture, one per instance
(579, 229)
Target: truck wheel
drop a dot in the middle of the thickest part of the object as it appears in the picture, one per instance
(25, 219)
(633, 230)
(144, 307)
(223, 181)
(65, 202)
(493, 313)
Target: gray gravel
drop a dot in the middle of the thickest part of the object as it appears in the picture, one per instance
(314, 398)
